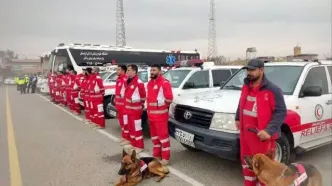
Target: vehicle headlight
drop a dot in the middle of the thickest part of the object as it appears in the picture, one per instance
(172, 110)
(223, 122)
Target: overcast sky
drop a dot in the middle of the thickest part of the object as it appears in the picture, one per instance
(274, 27)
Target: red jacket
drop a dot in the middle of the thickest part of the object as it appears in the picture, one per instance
(76, 83)
(67, 80)
(135, 95)
(59, 81)
(96, 86)
(160, 96)
(271, 107)
(120, 87)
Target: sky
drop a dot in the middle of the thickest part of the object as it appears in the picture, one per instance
(274, 27)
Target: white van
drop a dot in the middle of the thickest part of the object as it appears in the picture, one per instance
(206, 121)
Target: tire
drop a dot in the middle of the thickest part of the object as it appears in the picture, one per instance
(106, 102)
(283, 148)
(192, 149)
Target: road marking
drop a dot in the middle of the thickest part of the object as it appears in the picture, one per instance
(174, 171)
(14, 165)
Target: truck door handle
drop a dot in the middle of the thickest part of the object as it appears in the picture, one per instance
(329, 102)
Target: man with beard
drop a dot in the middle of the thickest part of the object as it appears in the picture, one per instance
(259, 116)
(159, 97)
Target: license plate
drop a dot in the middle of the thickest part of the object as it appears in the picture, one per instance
(112, 113)
(184, 137)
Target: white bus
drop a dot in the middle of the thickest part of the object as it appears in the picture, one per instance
(88, 55)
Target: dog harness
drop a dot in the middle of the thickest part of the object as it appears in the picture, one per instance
(143, 166)
(301, 175)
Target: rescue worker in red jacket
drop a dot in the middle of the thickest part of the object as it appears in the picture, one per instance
(135, 96)
(75, 88)
(97, 92)
(68, 78)
(58, 84)
(120, 87)
(159, 97)
(86, 96)
(63, 88)
(259, 99)
(51, 82)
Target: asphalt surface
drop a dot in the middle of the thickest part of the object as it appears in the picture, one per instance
(56, 148)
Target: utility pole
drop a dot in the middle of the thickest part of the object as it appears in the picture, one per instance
(120, 24)
(212, 40)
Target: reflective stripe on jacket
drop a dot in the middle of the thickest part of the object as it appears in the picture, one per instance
(135, 95)
(120, 88)
(159, 98)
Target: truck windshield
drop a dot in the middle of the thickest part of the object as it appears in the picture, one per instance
(176, 77)
(286, 77)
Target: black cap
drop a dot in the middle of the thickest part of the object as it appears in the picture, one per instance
(254, 64)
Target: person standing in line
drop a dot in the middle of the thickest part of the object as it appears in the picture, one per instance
(86, 98)
(58, 84)
(51, 85)
(120, 87)
(34, 83)
(135, 97)
(29, 83)
(97, 91)
(159, 97)
(68, 79)
(26, 84)
(21, 83)
(261, 99)
(75, 88)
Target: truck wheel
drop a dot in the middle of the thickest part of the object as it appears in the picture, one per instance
(283, 150)
(192, 149)
(106, 102)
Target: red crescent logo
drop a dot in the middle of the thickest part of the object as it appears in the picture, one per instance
(317, 112)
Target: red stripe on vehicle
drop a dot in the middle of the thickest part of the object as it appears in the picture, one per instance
(323, 123)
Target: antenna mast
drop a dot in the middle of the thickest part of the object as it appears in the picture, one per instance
(120, 24)
(212, 45)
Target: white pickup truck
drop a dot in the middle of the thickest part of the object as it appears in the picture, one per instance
(206, 121)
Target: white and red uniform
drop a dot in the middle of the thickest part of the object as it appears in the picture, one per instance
(67, 80)
(57, 87)
(63, 89)
(135, 96)
(51, 83)
(86, 96)
(75, 88)
(159, 98)
(97, 92)
(121, 84)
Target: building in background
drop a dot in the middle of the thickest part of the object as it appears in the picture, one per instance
(26, 66)
(297, 55)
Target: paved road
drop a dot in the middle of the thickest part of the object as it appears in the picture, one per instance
(49, 146)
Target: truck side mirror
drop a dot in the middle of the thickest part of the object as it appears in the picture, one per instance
(311, 91)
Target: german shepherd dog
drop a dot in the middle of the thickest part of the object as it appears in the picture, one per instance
(273, 173)
(134, 170)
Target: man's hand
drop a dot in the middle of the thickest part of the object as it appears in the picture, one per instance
(237, 125)
(263, 135)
